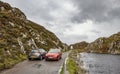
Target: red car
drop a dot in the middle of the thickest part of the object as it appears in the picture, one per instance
(53, 54)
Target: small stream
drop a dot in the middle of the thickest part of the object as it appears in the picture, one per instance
(95, 63)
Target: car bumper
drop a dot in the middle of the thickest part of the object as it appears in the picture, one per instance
(34, 57)
(51, 58)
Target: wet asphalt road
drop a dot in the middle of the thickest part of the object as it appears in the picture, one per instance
(37, 67)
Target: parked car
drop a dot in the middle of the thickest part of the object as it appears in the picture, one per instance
(37, 54)
(53, 54)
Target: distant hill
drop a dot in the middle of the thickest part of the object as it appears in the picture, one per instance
(18, 35)
(109, 45)
(80, 45)
(105, 45)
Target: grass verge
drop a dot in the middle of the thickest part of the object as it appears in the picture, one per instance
(72, 66)
(10, 62)
(73, 63)
(62, 71)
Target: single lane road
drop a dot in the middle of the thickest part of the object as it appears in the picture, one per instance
(37, 67)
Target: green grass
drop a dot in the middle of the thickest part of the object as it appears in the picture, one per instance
(10, 62)
(62, 71)
(72, 66)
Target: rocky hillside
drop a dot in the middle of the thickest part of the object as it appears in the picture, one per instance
(105, 45)
(80, 45)
(18, 35)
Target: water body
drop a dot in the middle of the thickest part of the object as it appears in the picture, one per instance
(100, 63)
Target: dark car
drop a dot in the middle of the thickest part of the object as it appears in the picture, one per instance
(37, 54)
(53, 54)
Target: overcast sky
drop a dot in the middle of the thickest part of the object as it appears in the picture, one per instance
(73, 20)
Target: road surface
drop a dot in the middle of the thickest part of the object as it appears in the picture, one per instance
(37, 67)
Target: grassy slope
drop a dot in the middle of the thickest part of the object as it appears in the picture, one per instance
(13, 26)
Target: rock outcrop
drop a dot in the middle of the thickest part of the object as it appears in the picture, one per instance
(105, 45)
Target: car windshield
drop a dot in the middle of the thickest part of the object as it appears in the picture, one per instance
(34, 51)
(54, 51)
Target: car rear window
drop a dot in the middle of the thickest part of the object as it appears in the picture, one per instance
(41, 50)
(54, 51)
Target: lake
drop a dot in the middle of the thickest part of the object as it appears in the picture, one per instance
(95, 63)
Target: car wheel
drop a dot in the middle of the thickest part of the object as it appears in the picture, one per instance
(60, 57)
(29, 59)
(41, 57)
(46, 59)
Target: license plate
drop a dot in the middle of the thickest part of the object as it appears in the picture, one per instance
(50, 57)
(33, 56)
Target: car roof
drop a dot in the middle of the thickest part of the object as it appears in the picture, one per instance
(58, 50)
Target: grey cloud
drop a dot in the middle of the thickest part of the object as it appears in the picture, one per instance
(36, 9)
(74, 38)
(49, 25)
(96, 10)
(61, 16)
(114, 13)
(96, 31)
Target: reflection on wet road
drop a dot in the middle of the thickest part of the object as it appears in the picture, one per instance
(100, 63)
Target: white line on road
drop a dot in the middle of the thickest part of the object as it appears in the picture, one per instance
(60, 69)
(65, 66)
(62, 64)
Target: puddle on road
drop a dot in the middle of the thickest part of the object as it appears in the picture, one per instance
(100, 63)
(37, 65)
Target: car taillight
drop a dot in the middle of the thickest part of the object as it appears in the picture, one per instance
(46, 56)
